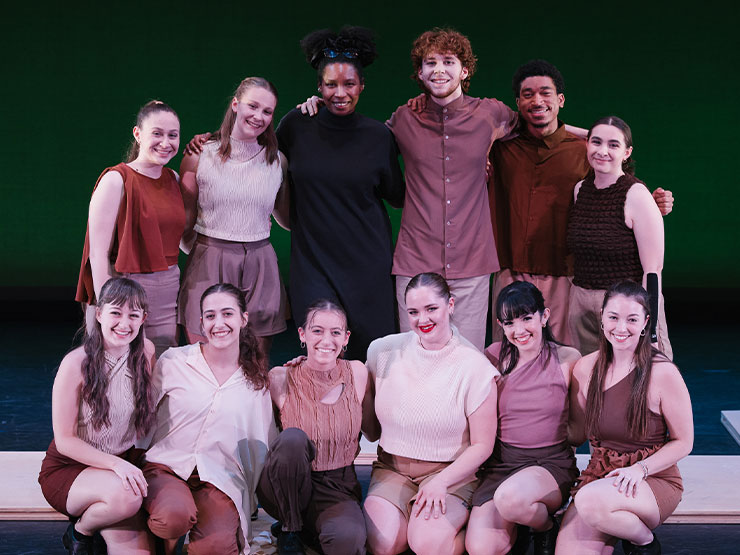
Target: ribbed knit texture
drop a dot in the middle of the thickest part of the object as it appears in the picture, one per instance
(236, 197)
(424, 398)
(121, 434)
(604, 247)
(334, 428)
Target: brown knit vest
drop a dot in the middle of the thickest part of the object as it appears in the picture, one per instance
(604, 248)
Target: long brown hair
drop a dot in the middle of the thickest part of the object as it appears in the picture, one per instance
(267, 138)
(645, 355)
(251, 357)
(151, 107)
(118, 291)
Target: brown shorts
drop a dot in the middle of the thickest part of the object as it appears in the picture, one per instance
(252, 267)
(59, 472)
(398, 479)
(506, 460)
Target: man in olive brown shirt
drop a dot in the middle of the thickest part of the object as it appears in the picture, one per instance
(531, 191)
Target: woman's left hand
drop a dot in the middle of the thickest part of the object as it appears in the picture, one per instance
(431, 499)
(627, 479)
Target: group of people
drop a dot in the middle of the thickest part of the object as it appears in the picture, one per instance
(474, 446)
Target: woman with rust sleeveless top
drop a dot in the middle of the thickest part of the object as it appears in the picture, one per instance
(615, 232)
(632, 404)
(309, 482)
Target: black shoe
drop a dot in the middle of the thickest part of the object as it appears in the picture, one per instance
(99, 546)
(255, 515)
(652, 548)
(521, 544)
(544, 542)
(276, 529)
(289, 543)
(75, 546)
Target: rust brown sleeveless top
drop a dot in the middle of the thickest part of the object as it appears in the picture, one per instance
(334, 428)
(613, 425)
(604, 248)
(149, 225)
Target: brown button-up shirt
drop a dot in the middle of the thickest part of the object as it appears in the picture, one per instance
(446, 224)
(531, 192)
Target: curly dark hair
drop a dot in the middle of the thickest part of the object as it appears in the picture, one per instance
(357, 40)
(443, 41)
(537, 68)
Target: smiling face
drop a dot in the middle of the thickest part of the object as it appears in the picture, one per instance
(525, 332)
(222, 320)
(442, 76)
(325, 335)
(607, 150)
(158, 138)
(254, 112)
(119, 325)
(429, 316)
(539, 104)
(340, 87)
(623, 320)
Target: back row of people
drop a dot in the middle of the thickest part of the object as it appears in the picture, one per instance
(455, 432)
(326, 177)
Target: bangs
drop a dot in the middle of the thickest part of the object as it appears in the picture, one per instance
(515, 305)
(122, 291)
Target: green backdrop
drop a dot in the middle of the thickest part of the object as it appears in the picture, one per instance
(75, 76)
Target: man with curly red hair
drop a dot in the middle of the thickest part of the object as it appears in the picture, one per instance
(446, 223)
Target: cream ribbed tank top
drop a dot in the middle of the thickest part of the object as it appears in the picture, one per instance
(236, 197)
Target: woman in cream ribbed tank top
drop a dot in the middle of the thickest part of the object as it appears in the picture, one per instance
(101, 403)
(230, 189)
(435, 402)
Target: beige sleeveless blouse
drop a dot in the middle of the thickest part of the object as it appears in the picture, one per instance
(121, 434)
(334, 428)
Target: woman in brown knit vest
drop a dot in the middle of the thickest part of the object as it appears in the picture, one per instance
(615, 232)
(632, 404)
(309, 482)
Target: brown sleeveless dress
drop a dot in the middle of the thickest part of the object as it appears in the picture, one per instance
(616, 448)
(334, 428)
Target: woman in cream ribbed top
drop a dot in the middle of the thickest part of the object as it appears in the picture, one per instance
(232, 187)
(435, 400)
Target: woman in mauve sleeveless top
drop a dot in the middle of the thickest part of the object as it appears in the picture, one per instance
(135, 224)
(309, 482)
(615, 232)
(102, 402)
(529, 475)
(632, 404)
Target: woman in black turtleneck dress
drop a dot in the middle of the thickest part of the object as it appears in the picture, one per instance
(342, 165)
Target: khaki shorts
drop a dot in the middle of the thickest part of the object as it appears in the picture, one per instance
(398, 479)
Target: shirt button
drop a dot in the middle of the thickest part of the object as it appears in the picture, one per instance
(449, 245)
(448, 202)
(447, 117)
(447, 179)
(447, 136)
(448, 265)
(444, 110)
(447, 157)
(449, 222)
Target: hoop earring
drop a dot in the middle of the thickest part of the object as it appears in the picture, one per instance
(642, 333)
(602, 326)
(303, 344)
(344, 348)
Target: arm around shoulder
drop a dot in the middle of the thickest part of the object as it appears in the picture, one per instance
(278, 385)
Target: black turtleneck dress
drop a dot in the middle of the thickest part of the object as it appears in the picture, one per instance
(340, 169)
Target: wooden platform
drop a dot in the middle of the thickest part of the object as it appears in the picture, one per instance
(711, 491)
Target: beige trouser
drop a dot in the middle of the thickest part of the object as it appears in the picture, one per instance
(555, 290)
(585, 321)
(471, 306)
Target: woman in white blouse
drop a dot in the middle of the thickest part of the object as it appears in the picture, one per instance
(230, 189)
(214, 423)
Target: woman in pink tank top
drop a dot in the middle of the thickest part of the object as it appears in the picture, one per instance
(309, 482)
(632, 404)
(102, 401)
(532, 468)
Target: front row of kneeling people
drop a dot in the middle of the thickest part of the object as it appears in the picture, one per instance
(474, 448)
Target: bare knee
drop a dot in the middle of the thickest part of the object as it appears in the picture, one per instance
(591, 507)
(123, 503)
(423, 542)
(511, 504)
